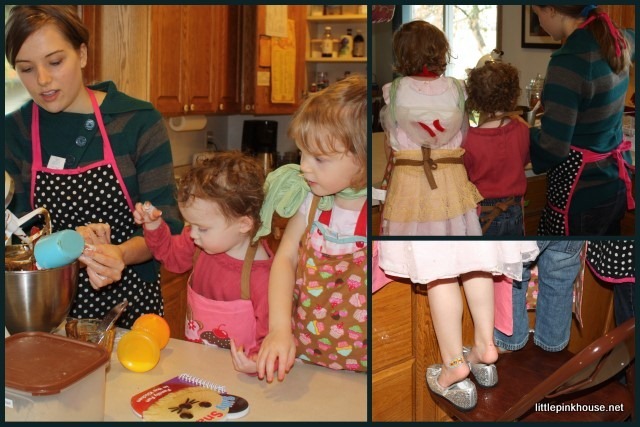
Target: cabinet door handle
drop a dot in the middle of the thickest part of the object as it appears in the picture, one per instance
(193, 107)
(185, 108)
(221, 107)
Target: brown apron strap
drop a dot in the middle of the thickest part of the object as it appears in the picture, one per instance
(386, 182)
(312, 214)
(429, 164)
(196, 254)
(500, 116)
(494, 211)
(245, 279)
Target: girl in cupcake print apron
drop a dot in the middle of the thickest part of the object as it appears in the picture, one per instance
(330, 297)
(71, 197)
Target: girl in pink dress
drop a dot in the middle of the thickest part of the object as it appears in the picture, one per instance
(429, 192)
(441, 265)
(227, 291)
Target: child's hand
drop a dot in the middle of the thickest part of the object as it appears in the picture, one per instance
(241, 362)
(148, 215)
(277, 353)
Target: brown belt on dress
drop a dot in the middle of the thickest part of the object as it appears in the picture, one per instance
(428, 164)
(494, 211)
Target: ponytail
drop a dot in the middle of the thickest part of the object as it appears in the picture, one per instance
(613, 45)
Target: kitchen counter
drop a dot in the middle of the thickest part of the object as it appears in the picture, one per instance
(308, 393)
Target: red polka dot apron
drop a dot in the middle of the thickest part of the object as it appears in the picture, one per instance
(330, 298)
(216, 323)
(91, 194)
(563, 179)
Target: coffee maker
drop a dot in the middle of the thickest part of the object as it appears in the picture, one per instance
(260, 139)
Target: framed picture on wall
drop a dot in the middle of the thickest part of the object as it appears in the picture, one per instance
(533, 35)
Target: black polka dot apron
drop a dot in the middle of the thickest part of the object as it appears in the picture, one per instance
(329, 315)
(612, 260)
(91, 194)
(563, 179)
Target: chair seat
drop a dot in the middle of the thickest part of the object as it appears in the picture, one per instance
(520, 371)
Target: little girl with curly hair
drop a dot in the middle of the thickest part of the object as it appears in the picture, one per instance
(497, 150)
(428, 192)
(227, 290)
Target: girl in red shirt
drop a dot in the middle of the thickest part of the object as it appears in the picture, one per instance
(227, 303)
(497, 150)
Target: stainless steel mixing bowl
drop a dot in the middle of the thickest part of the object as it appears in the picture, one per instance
(39, 300)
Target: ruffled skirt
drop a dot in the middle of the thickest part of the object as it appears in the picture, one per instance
(426, 261)
(412, 207)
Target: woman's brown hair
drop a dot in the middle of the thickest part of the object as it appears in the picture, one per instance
(602, 34)
(233, 180)
(493, 87)
(419, 44)
(335, 120)
(26, 20)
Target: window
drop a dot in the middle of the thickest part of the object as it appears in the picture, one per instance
(472, 31)
(14, 93)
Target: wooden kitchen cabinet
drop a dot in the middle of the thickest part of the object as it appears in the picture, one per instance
(404, 344)
(174, 295)
(256, 65)
(194, 59)
(183, 59)
(623, 15)
(393, 368)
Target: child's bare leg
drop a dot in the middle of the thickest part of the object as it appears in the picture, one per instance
(478, 288)
(445, 304)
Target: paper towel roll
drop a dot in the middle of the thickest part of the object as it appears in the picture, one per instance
(187, 123)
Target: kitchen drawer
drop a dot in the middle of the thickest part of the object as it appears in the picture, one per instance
(174, 295)
(392, 335)
(392, 397)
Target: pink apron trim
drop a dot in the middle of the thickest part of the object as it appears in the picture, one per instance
(76, 170)
(108, 152)
(503, 304)
(108, 156)
(590, 156)
(610, 280)
(379, 278)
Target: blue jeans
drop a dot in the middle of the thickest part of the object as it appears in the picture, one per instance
(601, 220)
(558, 266)
(508, 223)
(623, 296)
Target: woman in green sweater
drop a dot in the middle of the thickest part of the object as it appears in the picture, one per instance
(580, 143)
(87, 155)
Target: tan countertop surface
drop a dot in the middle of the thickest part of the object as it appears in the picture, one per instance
(308, 393)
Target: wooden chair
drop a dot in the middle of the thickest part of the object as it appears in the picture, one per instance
(531, 378)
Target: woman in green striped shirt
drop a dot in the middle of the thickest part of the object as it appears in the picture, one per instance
(580, 142)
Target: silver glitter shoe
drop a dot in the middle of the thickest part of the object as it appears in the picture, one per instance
(462, 394)
(485, 375)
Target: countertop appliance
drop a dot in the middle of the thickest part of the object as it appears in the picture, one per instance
(260, 139)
